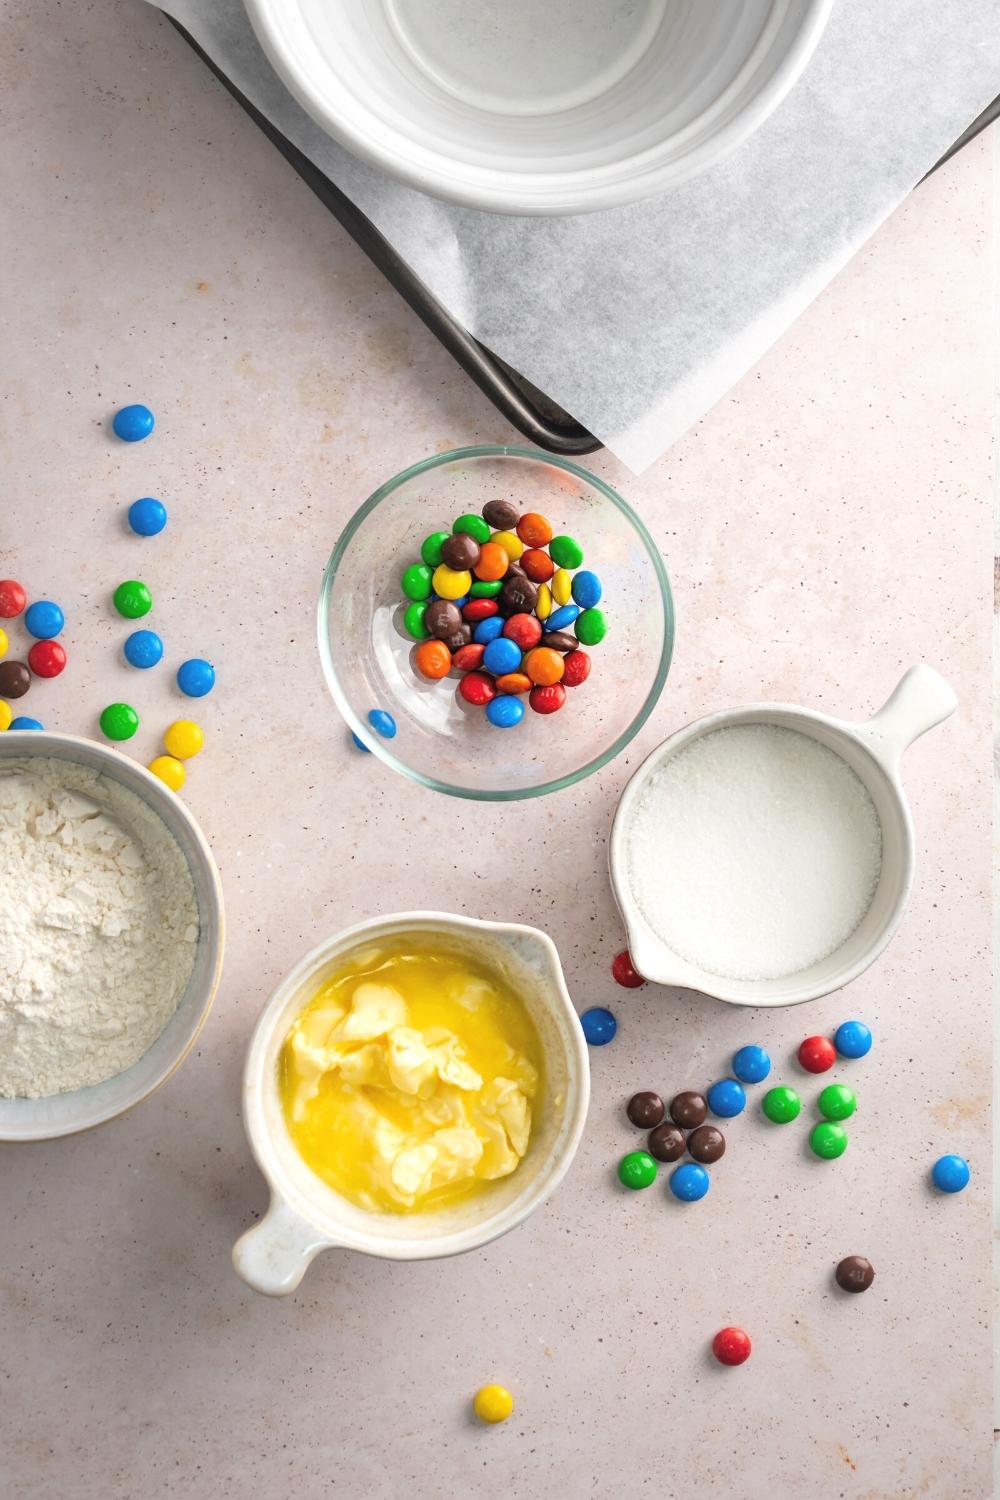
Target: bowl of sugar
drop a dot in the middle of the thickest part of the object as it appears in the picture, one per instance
(764, 855)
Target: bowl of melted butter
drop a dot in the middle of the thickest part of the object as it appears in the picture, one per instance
(413, 1089)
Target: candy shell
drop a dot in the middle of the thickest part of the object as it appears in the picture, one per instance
(413, 620)
(689, 1182)
(119, 721)
(488, 630)
(502, 655)
(432, 659)
(548, 699)
(537, 565)
(382, 722)
(543, 665)
(852, 1039)
(543, 605)
(950, 1174)
(524, 630)
(170, 771)
(576, 668)
(6, 715)
(562, 586)
(147, 517)
(23, 722)
(479, 609)
(132, 599)
(490, 590)
(493, 563)
(563, 617)
(430, 548)
(511, 544)
(591, 627)
(477, 688)
(12, 598)
(505, 711)
(448, 584)
(586, 589)
(46, 658)
(817, 1054)
(143, 648)
(196, 677)
(637, 1170)
(624, 972)
(493, 1403)
(133, 423)
(183, 739)
(474, 526)
(534, 530)
(468, 658)
(731, 1346)
(3, 644)
(43, 619)
(599, 1025)
(514, 682)
(565, 552)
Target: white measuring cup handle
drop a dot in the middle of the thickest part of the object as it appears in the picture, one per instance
(919, 700)
(275, 1254)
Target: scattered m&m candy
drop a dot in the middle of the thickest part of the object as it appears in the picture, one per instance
(12, 598)
(15, 679)
(4, 643)
(817, 1054)
(147, 517)
(854, 1273)
(132, 599)
(852, 1039)
(143, 648)
(23, 722)
(119, 721)
(47, 658)
(133, 423)
(5, 716)
(950, 1174)
(689, 1182)
(781, 1105)
(731, 1346)
(837, 1102)
(637, 1170)
(196, 677)
(599, 1025)
(169, 770)
(184, 739)
(751, 1064)
(726, 1098)
(706, 1144)
(44, 619)
(828, 1140)
(646, 1109)
(493, 1403)
(504, 713)
(624, 971)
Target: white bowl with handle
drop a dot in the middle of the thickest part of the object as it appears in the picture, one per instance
(873, 750)
(530, 108)
(306, 1215)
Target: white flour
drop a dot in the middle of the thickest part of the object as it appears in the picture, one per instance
(98, 927)
(754, 852)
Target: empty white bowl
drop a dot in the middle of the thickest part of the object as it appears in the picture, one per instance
(873, 750)
(307, 1216)
(80, 1109)
(531, 108)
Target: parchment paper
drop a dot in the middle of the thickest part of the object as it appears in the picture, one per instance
(638, 319)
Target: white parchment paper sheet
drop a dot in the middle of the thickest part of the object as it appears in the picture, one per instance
(637, 320)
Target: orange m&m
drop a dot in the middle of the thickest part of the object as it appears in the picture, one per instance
(534, 530)
(543, 665)
(493, 562)
(433, 659)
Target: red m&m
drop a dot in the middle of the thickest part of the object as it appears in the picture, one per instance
(46, 658)
(12, 598)
(731, 1346)
(817, 1053)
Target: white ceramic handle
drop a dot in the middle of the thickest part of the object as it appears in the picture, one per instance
(920, 700)
(275, 1254)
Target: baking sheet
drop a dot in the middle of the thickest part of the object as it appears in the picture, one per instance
(639, 319)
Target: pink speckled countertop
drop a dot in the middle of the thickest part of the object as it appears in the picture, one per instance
(824, 526)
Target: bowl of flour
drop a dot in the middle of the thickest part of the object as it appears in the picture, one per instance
(765, 855)
(111, 934)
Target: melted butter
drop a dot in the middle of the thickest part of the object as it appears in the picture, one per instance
(407, 1080)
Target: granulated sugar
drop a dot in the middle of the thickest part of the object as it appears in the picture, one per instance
(754, 852)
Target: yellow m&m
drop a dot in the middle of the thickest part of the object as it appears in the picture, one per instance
(183, 739)
(6, 714)
(449, 584)
(169, 770)
(510, 542)
(562, 586)
(493, 1403)
(3, 644)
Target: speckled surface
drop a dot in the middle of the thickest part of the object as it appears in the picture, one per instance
(825, 525)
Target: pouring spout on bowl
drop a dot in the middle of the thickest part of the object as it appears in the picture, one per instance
(275, 1254)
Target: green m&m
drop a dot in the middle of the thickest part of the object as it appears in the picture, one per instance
(591, 627)
(413, 619)
(473, 526)
(837, 1102)
(781, 1105)
(565, 552)
(828, 1140)
(486, 590)
(132, 599)
(119, 721)
(430, 551)
(416, 582)
(637, 1170)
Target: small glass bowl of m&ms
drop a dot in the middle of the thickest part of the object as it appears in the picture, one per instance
(496, 696)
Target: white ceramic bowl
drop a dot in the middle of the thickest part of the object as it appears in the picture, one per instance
(306, 1215)
(80, 1109)
(873, 750)
(531, 108)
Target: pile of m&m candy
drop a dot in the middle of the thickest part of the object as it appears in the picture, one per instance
(46, 657)
(504, 601)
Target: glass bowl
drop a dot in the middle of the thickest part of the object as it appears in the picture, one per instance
(442, 741)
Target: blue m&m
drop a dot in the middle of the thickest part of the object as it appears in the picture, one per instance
(563, 618)
(133, 423)
(382, 722)
(504, 712)
(143, 648)
(726, 1098)
(689, 1182)
(587, 589)
(599, 1025)
(23, 722)
(196, 677)
(489, 630)
(147, 517)
(852, 1039)
(501, 655)
(43, 619)
(950, 1174)
(751, 1064)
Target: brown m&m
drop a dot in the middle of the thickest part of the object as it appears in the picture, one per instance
(707, 1143)
(645, 1109)
(442, 618)
(855, 1274)
(688, 1109)
(15, 679)
(460, 552)
(502, 515)
(666, 1142)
